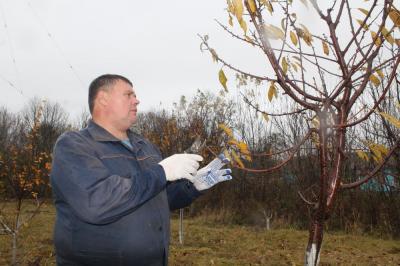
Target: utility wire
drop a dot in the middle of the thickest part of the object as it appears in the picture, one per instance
(73, 70)
(12, 54)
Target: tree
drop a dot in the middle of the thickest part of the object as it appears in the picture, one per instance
(25, 171)
(329, 78)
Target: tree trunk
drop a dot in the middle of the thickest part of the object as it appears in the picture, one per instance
(314, 244)
(14, 249)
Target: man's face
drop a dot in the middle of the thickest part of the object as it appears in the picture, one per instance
(122, 104)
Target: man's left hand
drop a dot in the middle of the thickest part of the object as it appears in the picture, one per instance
(212, 174)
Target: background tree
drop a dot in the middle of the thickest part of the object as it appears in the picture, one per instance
(25, 163)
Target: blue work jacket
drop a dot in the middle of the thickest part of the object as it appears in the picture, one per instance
(112, 202)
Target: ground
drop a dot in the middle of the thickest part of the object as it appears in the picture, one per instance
(209, 243)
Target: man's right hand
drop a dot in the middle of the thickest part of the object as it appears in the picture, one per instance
(180, 166)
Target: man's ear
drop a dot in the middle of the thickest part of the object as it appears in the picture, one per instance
(102, 98)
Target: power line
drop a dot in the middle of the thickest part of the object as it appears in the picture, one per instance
(73, 70)
(12, 54)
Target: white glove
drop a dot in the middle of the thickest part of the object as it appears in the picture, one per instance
(180, 166)
(211, 174)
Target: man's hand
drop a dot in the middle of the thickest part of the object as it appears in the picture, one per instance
(180, 166)
(212, 174)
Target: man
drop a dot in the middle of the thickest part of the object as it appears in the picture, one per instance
(113, 191)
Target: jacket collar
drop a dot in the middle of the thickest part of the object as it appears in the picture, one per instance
(99, 133)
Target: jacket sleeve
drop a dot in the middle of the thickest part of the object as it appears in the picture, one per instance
(94, 194)
(181, 193)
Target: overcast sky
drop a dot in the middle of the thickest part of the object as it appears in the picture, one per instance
(153, 43)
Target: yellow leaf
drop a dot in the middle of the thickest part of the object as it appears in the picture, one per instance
(237, 159)
(233, 142)
(378, 151)
(374, 79)
(227, 155)
(283, 23)
(364, 11)
(284, 65)
(306, 35)
(269, 6)
(231, 8)
(223, 79)
(365, 26)
(271, 91)
(378, 41)
(380, 73)
(293, 38)
(249, 39)
(386, 34)
(325, 48)
(243, 148)
(362, 154)
(395, 16)
(230, 20)
(226, 129)
(391, 119)
(238, 9)
(214, 55)
(266, 117)
(252, 5)
(274, 32)
(294, 66)
(243, 25)
(315, 122)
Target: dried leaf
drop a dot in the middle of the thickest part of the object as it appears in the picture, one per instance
(325, 48)
(252, 5)
(284, 65)
(306, 35)
(294, 66)
(223, 79)
(361, 22)
(214, 55)
(378, 151)
(230, 20)
(380, 73)
(243, 25)
(272, 91)
(250, 40)
(238, 9)
(266, 117)
(386, 34)
(269, 6)
(274, 32)
(293, 38)
(395, 16)
(362, 155)
(364, 11)
(283, 24)
(226, 129)
(231, 8)
(374, 79)
(237, 159)
(376, 39)
(391, 119)
(315, 122)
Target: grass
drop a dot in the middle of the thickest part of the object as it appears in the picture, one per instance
(208, 243)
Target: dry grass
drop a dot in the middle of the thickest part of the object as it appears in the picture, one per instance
(208, 243)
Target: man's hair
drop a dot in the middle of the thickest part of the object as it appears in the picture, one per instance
(104, 82)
